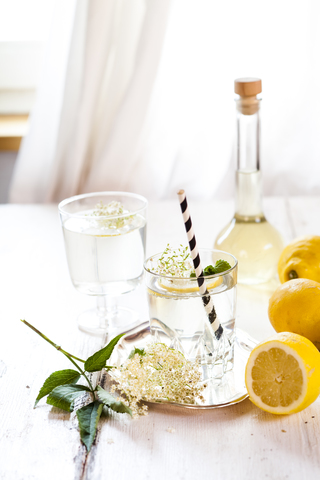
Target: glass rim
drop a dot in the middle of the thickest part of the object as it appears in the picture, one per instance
(74, 198)
(206, 277)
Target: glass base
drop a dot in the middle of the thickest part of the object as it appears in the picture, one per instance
(215, 357)
(95, 322)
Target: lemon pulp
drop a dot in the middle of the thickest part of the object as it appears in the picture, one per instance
(277, 378)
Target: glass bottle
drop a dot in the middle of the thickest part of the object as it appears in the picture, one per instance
(249, 236)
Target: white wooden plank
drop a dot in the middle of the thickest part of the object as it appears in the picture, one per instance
(34, 280)
(240, 442)
(237, 442)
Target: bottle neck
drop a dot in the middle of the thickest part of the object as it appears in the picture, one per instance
(248, 175)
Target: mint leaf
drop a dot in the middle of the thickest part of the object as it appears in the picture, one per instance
(139, 351)
(111, 402)
(221, 266)
(97, 361)
(209, 270)
(64, 396)
(61, 377)
(88, 418)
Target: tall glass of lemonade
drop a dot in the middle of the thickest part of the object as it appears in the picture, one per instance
(105, 236)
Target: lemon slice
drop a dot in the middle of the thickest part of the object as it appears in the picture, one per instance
(182, 288)
(283, 374)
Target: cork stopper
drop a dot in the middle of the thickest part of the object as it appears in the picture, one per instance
(248, 88)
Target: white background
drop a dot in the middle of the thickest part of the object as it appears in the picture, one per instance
(208, 44)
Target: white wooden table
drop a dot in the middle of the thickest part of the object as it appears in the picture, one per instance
(238, 442)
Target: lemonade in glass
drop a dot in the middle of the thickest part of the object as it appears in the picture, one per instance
(177, 314)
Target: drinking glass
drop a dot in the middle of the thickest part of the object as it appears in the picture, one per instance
(105, 253)
(178, 317)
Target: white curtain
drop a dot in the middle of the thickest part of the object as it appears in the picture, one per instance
(100, 68)
(138, 95)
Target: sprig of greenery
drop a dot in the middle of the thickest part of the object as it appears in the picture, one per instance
(139, 351)
(220, 266)
(178, 263)
(61, 388)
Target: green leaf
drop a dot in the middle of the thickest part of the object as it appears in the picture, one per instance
(209, 270)
(111, 402)
(97, 361)
(139, 351)
(88, 418)
(64, 396)
(61, 377)
(222, 266)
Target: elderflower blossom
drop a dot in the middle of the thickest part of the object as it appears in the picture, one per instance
(174, 262)
(157, 374)
(112, 209)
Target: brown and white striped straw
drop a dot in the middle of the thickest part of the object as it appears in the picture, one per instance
(206, 298)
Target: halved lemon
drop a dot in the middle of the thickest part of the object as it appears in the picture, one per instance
(283, 374)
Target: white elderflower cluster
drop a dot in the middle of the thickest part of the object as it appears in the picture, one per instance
(112, 209)
(158, 373)
(174, 262)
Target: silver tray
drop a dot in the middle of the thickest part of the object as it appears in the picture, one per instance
(218, 393)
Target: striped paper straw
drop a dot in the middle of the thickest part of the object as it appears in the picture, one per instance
(206, 298)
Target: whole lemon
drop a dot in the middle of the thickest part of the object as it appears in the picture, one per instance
(300, 259)
(295, 307)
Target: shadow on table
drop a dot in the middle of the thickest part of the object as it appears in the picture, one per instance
(242, 408)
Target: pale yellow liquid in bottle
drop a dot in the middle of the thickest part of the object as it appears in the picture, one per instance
(249, 236)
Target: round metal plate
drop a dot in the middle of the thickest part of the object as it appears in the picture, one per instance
(218, 393)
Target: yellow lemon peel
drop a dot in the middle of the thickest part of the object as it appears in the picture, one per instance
(300, 259)
(294, 307)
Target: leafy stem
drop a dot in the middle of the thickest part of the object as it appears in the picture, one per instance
(61, 388)
(81, 371)
(66, 354)
(51, 342)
